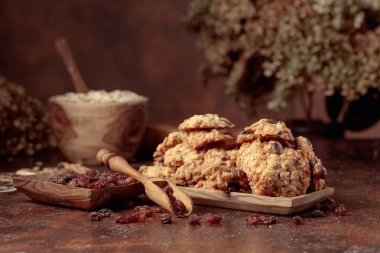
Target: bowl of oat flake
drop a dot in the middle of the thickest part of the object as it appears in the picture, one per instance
(86, 122)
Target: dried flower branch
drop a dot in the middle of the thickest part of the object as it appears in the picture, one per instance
(24, 126)
(266, 48)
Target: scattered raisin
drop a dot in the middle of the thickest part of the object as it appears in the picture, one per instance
(245, 132)
(69, 175)
(166, 218)
(329, 204)
(341, 210)
(58, 179)
(140, 214)
(195, 220)
(318, 213)
(81, 180)
(214, 219)
(144, 211)
(147, 211)
(131, 218)
(93, 175)
(261, 220)
(297, 220)
(108, 179)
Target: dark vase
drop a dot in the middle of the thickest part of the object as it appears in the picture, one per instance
(316, 128)
(360, 114)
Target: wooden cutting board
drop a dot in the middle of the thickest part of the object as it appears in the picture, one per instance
(38, 188)
(257, 203)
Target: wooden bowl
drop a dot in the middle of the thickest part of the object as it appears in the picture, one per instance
(38, 188)
(84, 128)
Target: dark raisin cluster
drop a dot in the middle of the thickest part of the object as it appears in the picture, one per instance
(178, 206)
(92, 179)
(213, 219)
(139, 214)
(143, 214)
(297, 220)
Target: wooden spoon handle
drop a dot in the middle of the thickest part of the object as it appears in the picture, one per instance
(117, 163)
(68, 59)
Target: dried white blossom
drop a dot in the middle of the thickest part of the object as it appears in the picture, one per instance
(266, 48)
(24, 127)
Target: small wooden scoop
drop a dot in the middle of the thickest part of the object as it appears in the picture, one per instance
(153, 186)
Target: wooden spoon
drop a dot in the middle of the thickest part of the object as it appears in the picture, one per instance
(68, 59)
(153, 186)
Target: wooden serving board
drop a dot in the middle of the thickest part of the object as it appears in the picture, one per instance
(38, 188)
(41, 190)
(257, 203)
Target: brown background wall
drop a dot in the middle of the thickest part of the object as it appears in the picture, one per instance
(120, 44)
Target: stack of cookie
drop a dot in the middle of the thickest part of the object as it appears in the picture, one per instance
(277, 164)
(199, 155)
(266, 158)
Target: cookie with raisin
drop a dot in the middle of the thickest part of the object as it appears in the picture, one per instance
(198, 139)
(318, 172)
(205, 121)
(266, 130)
(273, 169)
(170, 141)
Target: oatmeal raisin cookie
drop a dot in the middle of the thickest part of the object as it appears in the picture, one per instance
(208, 169)
(218, 169)
(186, 163)
(199, 152)
(198, 139)
(318, 172)
(266, 159)
(170, 141)
(205, 121)
(157, 171)
(274, 170)
(267, 129)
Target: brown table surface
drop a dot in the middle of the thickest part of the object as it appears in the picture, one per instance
(354, 172)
